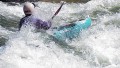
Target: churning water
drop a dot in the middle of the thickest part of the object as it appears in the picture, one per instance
(97, 47)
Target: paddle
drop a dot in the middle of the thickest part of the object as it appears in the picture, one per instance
(62, 3)
(58, 10)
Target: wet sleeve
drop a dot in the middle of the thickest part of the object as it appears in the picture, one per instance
(20, 24)
(43, 24)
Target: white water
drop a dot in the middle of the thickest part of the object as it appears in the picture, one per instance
(97, 47)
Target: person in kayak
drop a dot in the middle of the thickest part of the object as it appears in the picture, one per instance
(30, 18)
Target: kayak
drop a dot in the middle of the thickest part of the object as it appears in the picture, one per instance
(71, 31)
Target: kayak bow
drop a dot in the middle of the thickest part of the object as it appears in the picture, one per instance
(72, 30)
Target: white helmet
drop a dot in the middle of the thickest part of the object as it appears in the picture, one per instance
(28, 8)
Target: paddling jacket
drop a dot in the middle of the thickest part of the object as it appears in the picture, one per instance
(36, 22)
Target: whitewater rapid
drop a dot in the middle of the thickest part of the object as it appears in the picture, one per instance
(97, 47)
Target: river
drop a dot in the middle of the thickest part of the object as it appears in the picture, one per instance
(96, 47)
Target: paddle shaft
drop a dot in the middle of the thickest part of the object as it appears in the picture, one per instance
(57, 11)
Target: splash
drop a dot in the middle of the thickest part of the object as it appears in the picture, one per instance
(97, 47)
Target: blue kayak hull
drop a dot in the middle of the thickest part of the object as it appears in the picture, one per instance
(71, 31)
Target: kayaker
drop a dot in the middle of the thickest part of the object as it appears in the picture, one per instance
(30, 18)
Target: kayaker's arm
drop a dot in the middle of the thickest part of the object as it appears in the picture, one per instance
(20, 24)
(43, 24)
(46, 25)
